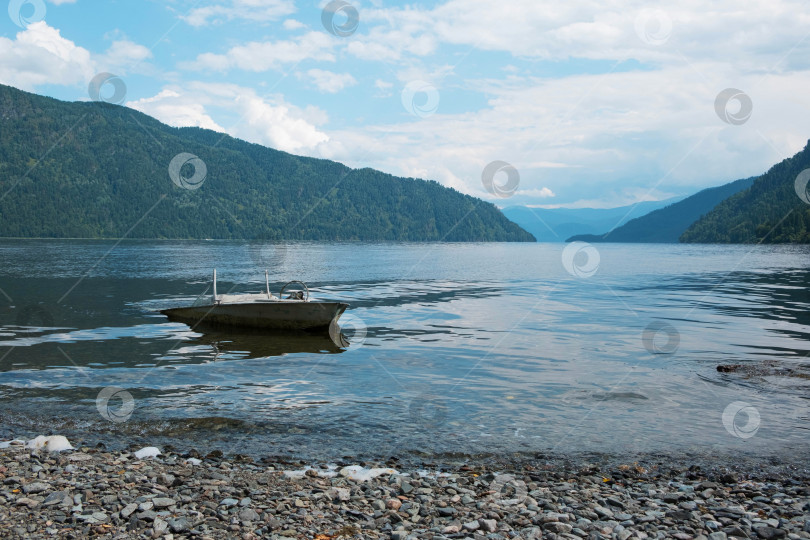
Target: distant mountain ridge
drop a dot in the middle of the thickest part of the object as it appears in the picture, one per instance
(770, 211)
(666, 225)
(90, 169)
(557, 224)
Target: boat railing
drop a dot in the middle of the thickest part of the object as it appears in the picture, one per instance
(215, 298)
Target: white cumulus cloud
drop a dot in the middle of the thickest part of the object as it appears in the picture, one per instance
(541, 193)
(124, 53)
(40, 55)
(266, 55)
(330, 82)
(269, 121)
(173, 108)
(251, 10)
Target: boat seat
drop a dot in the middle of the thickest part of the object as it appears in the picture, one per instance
(229, 298)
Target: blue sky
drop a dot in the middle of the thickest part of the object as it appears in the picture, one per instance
(593, 103)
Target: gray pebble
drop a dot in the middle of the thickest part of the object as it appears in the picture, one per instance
(36, 487)
(248, 514)
(163, 502)
(179, 525)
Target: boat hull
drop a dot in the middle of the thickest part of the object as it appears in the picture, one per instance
(272, 315)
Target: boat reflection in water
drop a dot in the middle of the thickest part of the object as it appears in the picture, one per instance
(255, 343)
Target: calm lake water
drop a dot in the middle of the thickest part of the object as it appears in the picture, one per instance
(455, 349)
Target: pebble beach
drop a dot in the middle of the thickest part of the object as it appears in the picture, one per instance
(90, 492)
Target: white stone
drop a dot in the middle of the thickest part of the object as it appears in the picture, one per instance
(58, 443)
(54, 443)
(361, 474)
(148, 452)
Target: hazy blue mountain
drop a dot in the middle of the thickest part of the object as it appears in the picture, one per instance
(99, 170)
(668, 224)
(769, 211)
(557, 224)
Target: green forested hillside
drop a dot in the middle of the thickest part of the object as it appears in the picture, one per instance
(100, 170)
(667, 224)
(769, 211)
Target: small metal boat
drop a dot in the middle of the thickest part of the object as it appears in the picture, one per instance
(263, 310)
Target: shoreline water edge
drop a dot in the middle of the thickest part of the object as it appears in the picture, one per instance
(151, 493)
